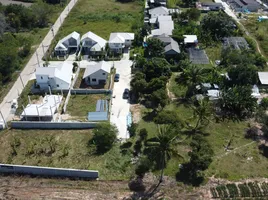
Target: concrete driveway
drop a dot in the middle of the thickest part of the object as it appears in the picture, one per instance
(121, 107)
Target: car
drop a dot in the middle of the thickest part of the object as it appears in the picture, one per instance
(116, 77)
(126, 94)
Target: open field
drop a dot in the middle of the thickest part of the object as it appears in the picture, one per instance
(62, 148)
(101, 17)
(245, 162)
(80, 105)
(258, 30)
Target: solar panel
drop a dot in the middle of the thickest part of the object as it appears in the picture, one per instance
(198, 56)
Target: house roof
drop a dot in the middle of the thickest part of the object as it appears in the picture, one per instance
(165, 27)
(208, 4)
(164, 18)
(61, 44)
(235, 42)
(60, 70)
(105, 66)
(164, 38)
(190, 39)
(90, 35)
(120, 37)
(161, 10)
(173, 46)
(263, 77)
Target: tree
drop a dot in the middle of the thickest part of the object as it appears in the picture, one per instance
(104, 137)
(155, 48)
(243, 74)
(191, 77)
(138, 84)
(218, 25)
(155, 68)
(193, 14)
(167, 117)
(41, 12)
(200, 159)
(158, 98)
(237, 102)
(202, 113)
(3, 25)
(189, 2)
(163, 147)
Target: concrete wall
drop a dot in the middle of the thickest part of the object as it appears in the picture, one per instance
(51, 125)
(48, 171)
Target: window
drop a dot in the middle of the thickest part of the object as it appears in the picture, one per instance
(58, 85)
(103, 73)
(94, 80)
(41, 77)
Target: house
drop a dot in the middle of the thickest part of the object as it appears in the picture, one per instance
(119, 41)
(58, 75)
(158, 11)
(171, 46)
(97, 74)
(155, 3)
(92, 43)
(244, 5)
(165, 27)
(263, 78)
(209, 6)
(67, 45)
(42, 111)
(237, 43)
(160, 19)
(190, 40)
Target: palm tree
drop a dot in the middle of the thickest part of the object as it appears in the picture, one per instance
(164, 146)
(201, 112)
(191, 77)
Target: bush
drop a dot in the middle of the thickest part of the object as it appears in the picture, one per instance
(264, 103)
(143, 134)
(143, 167)
(136, 185)
(104, 137)
(132, 129)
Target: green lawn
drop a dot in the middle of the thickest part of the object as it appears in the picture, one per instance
(64, 149)
(214, 52)
(177, 90)
(80, 105)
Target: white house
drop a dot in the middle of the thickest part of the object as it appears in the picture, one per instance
(92, 43)
(118, 41)
(69, 44)
(97, 74)
(58, 75)
(165, 27)
(158, 11)
(263, 78)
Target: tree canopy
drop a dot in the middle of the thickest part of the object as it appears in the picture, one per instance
(155, 48)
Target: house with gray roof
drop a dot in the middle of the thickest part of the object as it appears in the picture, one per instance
(93, 44)
(67, 45)
(209, 6)
(171, 46)
(244, 5)
(97, 74)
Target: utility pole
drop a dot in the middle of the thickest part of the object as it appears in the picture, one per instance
(4, 119)
(22, 82)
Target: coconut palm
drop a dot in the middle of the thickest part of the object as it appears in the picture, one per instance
(163, 146)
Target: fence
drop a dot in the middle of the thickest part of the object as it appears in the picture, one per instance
(73, 91)
(48, 171)
(66, 101)
(52, 125)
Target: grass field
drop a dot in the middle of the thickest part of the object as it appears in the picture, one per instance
(80, 105)
(62, 148)
(258, 30)
(243, 163)
(101, 17)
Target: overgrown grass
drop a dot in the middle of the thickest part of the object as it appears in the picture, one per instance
(214, 52)
(63, 149)
(172, 3)
(80, 105)
(242, 163)
(258, 30)
(176, 89)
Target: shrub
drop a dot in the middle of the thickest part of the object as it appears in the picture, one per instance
(132, 129)
(264, 103)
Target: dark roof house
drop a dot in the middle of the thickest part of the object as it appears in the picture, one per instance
(171, 46)
(237, 43)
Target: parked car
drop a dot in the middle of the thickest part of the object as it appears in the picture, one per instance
(116, 77)
(126, 94)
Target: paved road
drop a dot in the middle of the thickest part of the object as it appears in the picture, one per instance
(121, 107)
(29, 69)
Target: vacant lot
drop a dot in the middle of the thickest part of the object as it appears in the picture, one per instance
(62, 148)
(80, 105)
(258, 30)
(101, 17)
(242, 163)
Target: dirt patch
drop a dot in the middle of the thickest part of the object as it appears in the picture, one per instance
(135, 109)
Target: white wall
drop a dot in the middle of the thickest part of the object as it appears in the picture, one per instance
(116, 46)
(99, 75)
